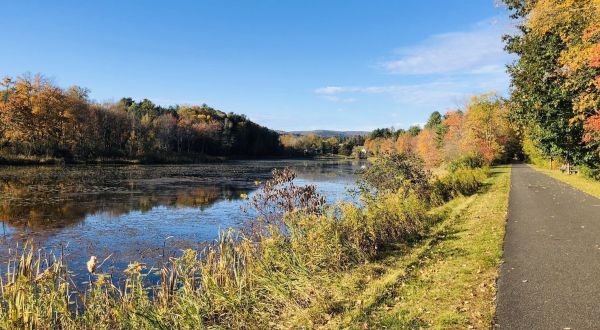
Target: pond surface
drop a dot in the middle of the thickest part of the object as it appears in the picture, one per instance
(140, 213)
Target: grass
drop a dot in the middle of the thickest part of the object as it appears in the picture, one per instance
(445, 280)
(577, 181)
(394, 263)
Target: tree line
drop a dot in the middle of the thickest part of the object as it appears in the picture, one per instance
(482, 130)
(313, 144)
(41, 119)
(555, 89)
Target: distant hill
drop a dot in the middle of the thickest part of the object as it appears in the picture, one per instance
(327, 133)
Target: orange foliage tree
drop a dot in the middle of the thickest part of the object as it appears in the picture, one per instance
(406, 143)
(453, 138)
(487, 128)
(427, 148)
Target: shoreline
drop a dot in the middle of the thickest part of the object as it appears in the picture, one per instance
(191, 160)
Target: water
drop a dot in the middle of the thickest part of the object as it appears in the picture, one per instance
(139, 213)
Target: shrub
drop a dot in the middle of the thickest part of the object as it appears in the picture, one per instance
(359, 232)
(460, 182)
(396, 172)
(317, 241)
(590, 173)
(280, 195)
(397, 217)
(469, 161)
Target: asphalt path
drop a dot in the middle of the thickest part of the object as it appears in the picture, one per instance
(550, 276)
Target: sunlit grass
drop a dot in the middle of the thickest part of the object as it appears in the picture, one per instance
(445, 280)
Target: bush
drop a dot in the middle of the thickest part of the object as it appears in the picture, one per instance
(353, 234)
(590, 173)
(469, 161)
(396, 172)
(460, 182)
(280, 195)
(397, 217)
(316, 240)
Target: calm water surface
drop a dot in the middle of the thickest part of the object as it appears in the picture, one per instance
(133, 213)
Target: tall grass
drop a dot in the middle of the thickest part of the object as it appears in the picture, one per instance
(243, 281)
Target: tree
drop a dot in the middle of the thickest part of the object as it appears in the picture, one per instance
(427, 148)
(405, 143)
(435, 120)
(454, 135)
(554, 92)
(487, 128)
(414, 130)
(435, 123)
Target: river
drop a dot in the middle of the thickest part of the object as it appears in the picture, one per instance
(144, 212)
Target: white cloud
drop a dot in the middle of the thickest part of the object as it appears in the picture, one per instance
(328, 90)
(428, 94)
(476, 51)
(442, 71)
(338, 99)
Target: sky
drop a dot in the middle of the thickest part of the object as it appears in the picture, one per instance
(288, 65)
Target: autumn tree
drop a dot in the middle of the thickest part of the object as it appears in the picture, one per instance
(427, 148)
(38, 118)
(454, 137)
(406, 143)
(555, 92)
(487, 129)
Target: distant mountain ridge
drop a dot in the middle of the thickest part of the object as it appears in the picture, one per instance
(328, 133)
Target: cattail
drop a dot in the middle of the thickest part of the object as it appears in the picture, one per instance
(91, 264)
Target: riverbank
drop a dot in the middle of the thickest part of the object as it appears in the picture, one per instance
(175, 160)
(38, 160)
(124, 209)
(337, 269)
(446, 280)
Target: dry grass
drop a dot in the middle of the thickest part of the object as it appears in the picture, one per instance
(446, 280)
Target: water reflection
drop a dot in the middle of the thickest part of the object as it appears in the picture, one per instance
(134, 212)
(43, 210)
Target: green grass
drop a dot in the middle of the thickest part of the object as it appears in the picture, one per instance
(444, 280)
(578, 181)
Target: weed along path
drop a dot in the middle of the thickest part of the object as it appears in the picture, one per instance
(550, 278)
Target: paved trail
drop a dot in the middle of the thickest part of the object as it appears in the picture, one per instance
(550, 278)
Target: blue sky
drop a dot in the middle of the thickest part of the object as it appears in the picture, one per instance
(290, 65)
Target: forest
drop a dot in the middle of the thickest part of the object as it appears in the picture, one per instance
(39, 119)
